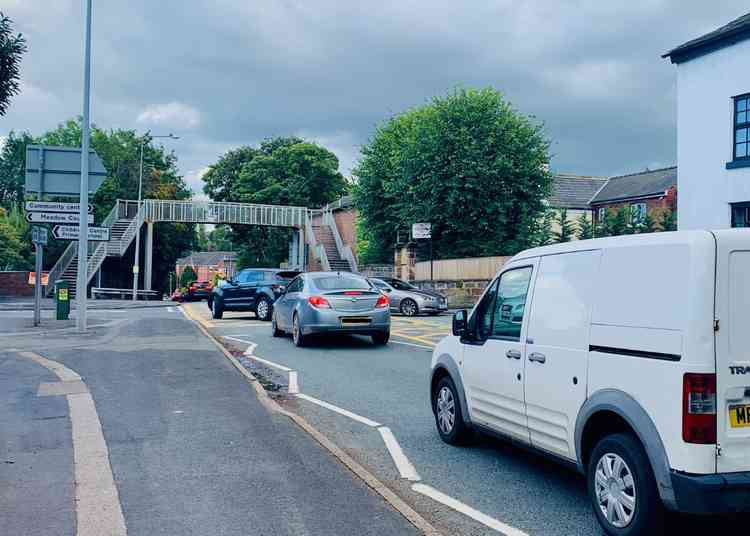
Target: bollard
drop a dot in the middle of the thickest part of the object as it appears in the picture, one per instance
(62, 299)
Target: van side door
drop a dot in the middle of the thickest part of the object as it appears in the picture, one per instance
(493, 354)
(558, 348)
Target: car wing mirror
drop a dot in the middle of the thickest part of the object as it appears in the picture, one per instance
(460, 322)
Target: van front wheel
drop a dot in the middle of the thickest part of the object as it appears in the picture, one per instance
(448, 417)
(622, 487)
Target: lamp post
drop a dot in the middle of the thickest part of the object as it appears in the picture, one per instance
(136, 264)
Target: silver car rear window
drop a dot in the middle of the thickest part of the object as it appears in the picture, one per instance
(341, 282)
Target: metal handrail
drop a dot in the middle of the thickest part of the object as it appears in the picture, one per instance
(221, 212)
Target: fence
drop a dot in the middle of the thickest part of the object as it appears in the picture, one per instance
(478, 268)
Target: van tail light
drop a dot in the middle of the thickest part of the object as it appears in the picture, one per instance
(699, 408)
(319, 302)
(382, 302)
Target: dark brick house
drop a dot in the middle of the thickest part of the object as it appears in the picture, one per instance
(649, 192)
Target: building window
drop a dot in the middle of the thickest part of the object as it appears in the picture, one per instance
(637, 213)
(741, 215)
(602, 215)
(742, 127)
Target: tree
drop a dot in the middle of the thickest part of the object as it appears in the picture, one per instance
(12, 47)
(565, 228)
(584, 227)
(468, 163)
(11, 247)
(647, 225)
(669, 220)
(282, 171)
(13, 168)
(187, 276)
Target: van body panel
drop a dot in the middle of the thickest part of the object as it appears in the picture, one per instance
(558, 331)
(733, 349)
(494, 382)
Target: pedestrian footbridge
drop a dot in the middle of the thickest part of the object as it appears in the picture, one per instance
(316, 233)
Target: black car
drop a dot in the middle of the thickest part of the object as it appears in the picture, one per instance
(253, 289)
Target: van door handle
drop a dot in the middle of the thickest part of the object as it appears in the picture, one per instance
(536, 356)
(513, 354)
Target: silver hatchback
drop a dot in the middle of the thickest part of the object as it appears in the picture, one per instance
(331, 302)
(410, 300)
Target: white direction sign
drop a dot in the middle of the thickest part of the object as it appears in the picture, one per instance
(55, 217)
(421, 230)
(50, 206)
(39, 235)
(72, 232)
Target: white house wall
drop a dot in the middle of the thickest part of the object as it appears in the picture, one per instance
(705, 87)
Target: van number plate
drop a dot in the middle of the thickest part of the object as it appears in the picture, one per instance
(739, 416)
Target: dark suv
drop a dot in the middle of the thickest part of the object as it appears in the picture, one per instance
(254, 289)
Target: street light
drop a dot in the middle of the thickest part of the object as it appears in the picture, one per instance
(146, 138)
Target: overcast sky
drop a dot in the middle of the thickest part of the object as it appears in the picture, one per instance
(223, 73)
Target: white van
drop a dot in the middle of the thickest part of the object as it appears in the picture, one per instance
(628, 357)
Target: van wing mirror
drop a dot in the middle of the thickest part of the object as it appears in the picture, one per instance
(459, 322)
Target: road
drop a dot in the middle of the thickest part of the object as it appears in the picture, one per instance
(518, 492)
(160, 435)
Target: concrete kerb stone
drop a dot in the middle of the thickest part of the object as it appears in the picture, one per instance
(371, 480)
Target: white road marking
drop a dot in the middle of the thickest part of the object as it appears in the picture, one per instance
(340, 411)
(170, 309)
(97, 501)
(292, 384)
(467, 510)
(424, 347)
(404, 466)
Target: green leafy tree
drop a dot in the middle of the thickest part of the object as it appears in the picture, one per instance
(565, 228)
(647, 225)
(187, 276)
(584, 227)
(13, 168)
(468, 163)
(12, 48)
(668, 220)
(620, 222)
(12, 249)
(282, 171)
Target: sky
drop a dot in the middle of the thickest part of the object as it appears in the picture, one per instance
(226, 73)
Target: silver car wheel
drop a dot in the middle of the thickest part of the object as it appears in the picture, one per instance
(446, 410)
(295, 330)
(262, 310)
(409, 307)
(615, 490)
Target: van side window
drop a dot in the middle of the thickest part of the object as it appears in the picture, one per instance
(482, 319)
(511, 304)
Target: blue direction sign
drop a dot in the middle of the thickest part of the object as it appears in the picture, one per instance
(57, 170)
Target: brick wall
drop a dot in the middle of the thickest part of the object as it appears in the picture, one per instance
(655, 206)
(15, 285)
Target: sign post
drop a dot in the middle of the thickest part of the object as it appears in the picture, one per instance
(424, 230)
(73, 232)
(39, 238)
(83, 254)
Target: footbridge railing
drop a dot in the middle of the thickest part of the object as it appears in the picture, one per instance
(156, 210)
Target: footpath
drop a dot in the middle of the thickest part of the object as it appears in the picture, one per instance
(142, 426)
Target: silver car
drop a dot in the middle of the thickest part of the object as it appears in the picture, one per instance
(408, 299)
(331, 302)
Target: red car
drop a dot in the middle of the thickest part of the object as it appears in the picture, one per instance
(198, 290)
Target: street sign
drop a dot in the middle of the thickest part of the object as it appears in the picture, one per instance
(72, 232)
(421, 230)
(57, 170)
(39, 235)
(55, 217)
(49, 206)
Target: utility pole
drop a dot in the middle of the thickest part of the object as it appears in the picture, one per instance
(83, 249)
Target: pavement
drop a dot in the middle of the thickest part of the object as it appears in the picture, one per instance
(351, 390)
(160, 435)
(48, 304)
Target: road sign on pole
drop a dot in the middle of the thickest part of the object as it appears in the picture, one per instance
(56, 170)
(421, 230)
(73, 232)
(55, 217)
(50, 206)
(83, 244)
(39, 235)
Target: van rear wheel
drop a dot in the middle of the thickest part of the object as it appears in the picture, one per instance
(622, 487)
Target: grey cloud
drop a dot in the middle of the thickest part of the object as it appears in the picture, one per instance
(332, 70)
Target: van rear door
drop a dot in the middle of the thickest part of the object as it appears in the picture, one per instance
(733, 350)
